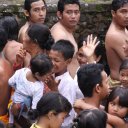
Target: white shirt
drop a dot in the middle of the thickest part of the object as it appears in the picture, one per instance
(68, 89)
(25, 88)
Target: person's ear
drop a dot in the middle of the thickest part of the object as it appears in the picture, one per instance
(98, 58)
(50, 115)
(37, 75)
(69, 61)
(97, 88)
(26, 13)
(113, 13)
(59, 15)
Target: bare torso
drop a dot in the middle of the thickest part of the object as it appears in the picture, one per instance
(5, 74)
(115, 39)
(59, 32)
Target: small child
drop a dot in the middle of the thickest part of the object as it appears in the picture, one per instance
(91, 118)
(123, 73)
(117, 103)
(29, 84)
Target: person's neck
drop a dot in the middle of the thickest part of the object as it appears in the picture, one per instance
(36, 51)
(92, 101)
(70, 30)
(43, 122)
(60, 73)
(119, 27)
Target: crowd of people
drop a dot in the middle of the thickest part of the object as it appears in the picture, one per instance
(58, 82)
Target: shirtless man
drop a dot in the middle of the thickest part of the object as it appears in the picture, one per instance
(5, 74)
(68, 14)
(35, 12)
(116, 37)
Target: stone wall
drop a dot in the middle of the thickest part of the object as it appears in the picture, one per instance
(95, 17)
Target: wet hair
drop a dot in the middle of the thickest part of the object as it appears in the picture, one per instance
(117, 4)
(120, 92)
(11, 27)
(124, 65)
(52, 101)
(41, 64)
(88, 76)
(3, 38)
(62, 3)
(27, 4)
(65, 47)
(91, 118)
(40, 35)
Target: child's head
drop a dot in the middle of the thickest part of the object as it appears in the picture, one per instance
(91, 119)
(117, 102)
(92, 79)
(61, 55)
(53, 107)
(41, 66)
(123, 72)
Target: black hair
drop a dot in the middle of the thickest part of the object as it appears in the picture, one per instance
(62, 3)
(27, 4)
(41, 63)
(120, 92)
(3, 38)
(124, 65)
(41, 35)
(65, 47)
(11, 26)
(88, 76)
(91, 118)
(52, 101)
(117, 4)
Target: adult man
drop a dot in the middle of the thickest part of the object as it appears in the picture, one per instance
(5, 74)
(116, 37)
(68, 14)
(35, 11)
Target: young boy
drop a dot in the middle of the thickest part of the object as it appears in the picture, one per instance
(61, 55)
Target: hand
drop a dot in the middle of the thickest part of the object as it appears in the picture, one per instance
(20, 56)
(52, 83)
(89, 47)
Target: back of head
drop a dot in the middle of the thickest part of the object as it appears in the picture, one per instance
(120, 92)
(65, 47)
(27, 4)
(52, 101)
(62, 3)
(41, 35)
(41, 64)
(124, 65)
(117, 4)
(88, 77)
(3, 38)
(10, 24)
(91, 119)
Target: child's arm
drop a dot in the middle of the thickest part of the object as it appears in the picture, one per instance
(116, 121)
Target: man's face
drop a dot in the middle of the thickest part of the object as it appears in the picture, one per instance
(70, 16)
(121, 16)
(37, 12)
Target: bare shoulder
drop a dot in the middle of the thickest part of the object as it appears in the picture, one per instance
(58, 32)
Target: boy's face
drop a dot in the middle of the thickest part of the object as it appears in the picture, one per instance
(37, 12)
(59, 63)
(71, 15)
(121, 16)
(124, 77)
(105, 86)
(81, 58)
